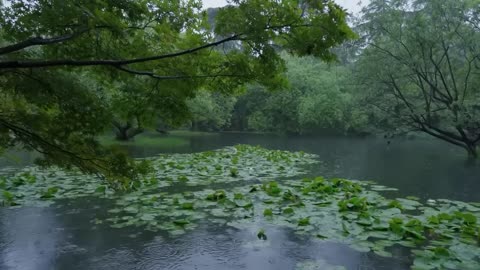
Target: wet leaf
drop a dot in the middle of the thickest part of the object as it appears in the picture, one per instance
(261, 234)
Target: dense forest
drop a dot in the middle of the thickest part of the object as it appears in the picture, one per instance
(413, 68)
(319, 99)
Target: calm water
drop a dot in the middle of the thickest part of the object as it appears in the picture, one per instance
(62, 237)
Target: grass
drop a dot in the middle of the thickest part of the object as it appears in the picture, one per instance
(188, 133)
(146, 140)
(174, 138)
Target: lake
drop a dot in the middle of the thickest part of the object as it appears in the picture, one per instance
(62, 236)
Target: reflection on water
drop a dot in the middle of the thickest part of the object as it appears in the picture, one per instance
(63, 237)
(35, 241)
(422, 168)
(30, 238)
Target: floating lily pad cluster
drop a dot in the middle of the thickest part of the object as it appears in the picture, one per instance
(181, 211)
(235, 187)
(442, 234)
(231, 164)
(36, 186)
(33, 186)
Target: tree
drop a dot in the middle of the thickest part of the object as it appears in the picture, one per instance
(143, 102)
(211, 111)
(318, 99)
(65, 64)
(421, 67)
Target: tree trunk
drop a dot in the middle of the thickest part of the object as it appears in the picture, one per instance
(126, 132)
(162, 131)
(463, 141)
(162, 128)
(472, 151)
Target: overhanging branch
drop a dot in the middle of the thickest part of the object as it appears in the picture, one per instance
(51, 149)
(175, 77)
(442, 137)
(39, 41)
(78, 63)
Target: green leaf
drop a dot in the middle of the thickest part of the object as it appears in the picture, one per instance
(188, 205)
(288, 211)
(181, 222)
(261, 235)
(304, 221)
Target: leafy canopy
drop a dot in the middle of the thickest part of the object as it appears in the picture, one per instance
(420, 67)
(69, 68)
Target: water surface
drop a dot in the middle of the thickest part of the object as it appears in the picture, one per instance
(63, 237)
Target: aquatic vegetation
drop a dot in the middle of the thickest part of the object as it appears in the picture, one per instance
(261, 234)
(30, 184)
(266, 188)
(231, 164)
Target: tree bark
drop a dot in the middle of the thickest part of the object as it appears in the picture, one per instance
(162, 131)
(126, 132)
(463, 141)
(472, 151)
(43, 63)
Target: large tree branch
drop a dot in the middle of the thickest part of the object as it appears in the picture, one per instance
(440, 72)
(422, 74)
(389, 53)
(428, 98)
(463, 134)
(105, 62)
(401, 96)
(434, 133)
(444, 132)
(35, 41)
(174, 77)
(477, 140)
(450, 69)
(39, 41)
(466, 80)
(434, 88)
(431, 80)
(443, 138)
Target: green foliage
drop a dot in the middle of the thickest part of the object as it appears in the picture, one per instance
(211, 111)
(216, 196)
(267, 212)
(233, 172)
(417, 70)
(288, 211)
(188, 206)
(49, 193)
(304, 221)
(8, 199)
(261, 235)
(271, 188)
(317, 100)
(353, 204)
(69, 69)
